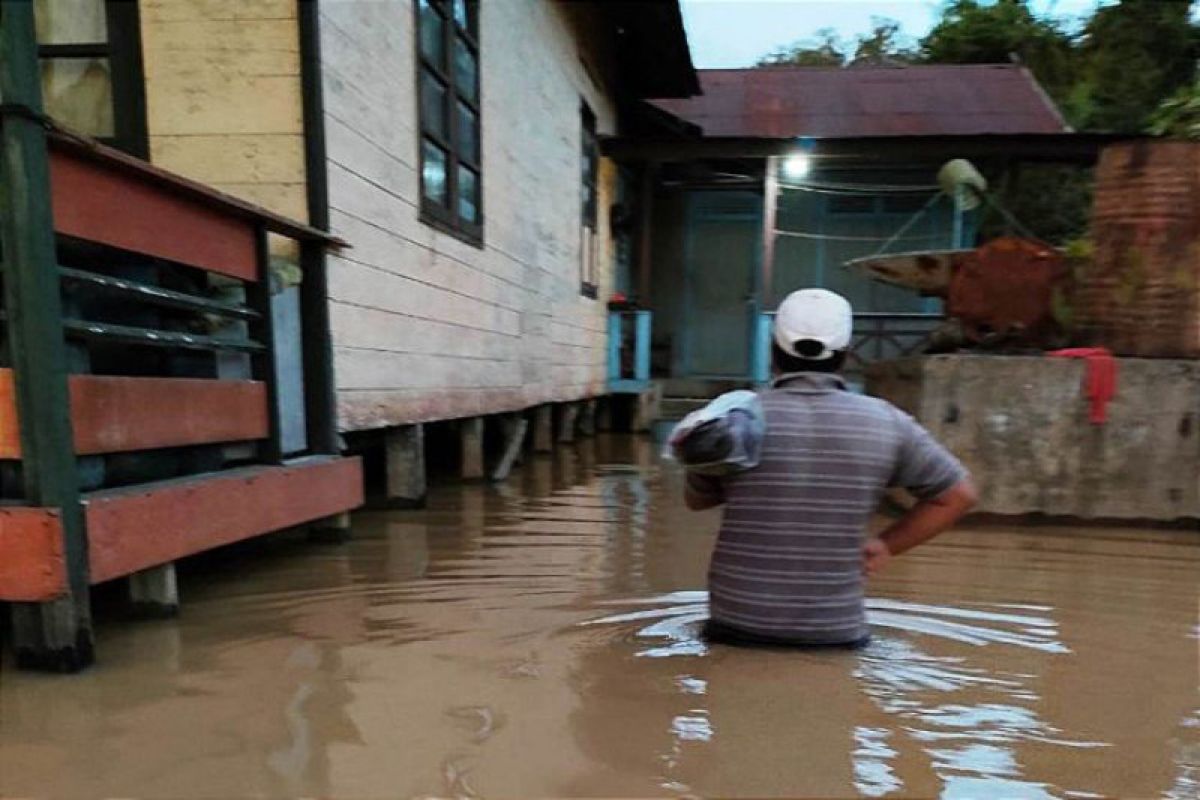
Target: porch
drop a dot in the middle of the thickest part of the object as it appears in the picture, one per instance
(722, 243)
(165, 376)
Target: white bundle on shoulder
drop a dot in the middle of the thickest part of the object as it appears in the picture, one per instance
(723, 438)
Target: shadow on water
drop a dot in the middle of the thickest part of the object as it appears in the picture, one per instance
(540, 638)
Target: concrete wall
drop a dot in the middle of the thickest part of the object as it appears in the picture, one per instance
(1021, 425)
(223, 101)
(425, 326)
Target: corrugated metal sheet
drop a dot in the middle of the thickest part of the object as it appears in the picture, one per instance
(929, 100)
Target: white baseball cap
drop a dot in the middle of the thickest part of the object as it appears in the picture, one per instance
(814, 315)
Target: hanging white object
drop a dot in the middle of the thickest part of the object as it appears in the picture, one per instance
(959, 179)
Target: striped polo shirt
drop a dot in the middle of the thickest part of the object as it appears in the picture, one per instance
(788, 562)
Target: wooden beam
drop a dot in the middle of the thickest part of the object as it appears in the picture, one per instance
(135, 528)
(31, 555)
(147, 219)
(116, 414)
(57, 635)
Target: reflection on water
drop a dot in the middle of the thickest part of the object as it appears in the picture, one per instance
(970, 746)
(541, 638)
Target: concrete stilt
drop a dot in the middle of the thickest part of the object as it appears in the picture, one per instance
(471, 438)
(331, 530)
(406, 481)
(515, 428)
(543, 429)
(587, 417)
(154, 593)
(567, 420)
(647, 410)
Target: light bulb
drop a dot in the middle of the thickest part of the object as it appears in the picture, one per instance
(796, 166)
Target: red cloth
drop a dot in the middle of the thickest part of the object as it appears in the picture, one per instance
(1100, 383)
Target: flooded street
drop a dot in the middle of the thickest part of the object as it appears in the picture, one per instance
(539, 638)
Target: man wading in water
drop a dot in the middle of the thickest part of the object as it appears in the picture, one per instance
(790, 560)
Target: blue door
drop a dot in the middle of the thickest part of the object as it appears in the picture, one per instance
(721, 292)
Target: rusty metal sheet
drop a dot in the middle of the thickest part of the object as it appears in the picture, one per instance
(927, 272)
(926, 100)
(1007, 292)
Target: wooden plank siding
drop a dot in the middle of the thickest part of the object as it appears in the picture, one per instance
(98, 202)
(134, 528)
(32, 568)
(426, 326)
(117, 414)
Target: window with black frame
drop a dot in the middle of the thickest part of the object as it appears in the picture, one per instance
(91, 69)
(589, 172)
(448, 108)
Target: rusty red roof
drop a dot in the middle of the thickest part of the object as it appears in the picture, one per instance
(926, 100)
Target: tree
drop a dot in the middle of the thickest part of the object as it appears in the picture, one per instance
(971, 32)
(1179, 115)
(884, 45)
(825, 51)
(1134, 55)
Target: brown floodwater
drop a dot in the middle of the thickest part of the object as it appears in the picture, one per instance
(540, 638)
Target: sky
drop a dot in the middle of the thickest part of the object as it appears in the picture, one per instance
(736, 33)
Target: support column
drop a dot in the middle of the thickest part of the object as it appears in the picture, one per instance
(406, 481)
(604, 414)
(567, 420)
(154, 593)
(515, 428)
(543, 429)
(647, 410)
(471, 436)
(57, 635)
(587, 417)
(331, 530)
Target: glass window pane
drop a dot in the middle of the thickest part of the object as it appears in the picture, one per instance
(460, 13)
(433, 29)
(468, 133)
(78, 93)
(466, 77)
(70, 21)
(433, 104)
(468, 195)
(433, 172)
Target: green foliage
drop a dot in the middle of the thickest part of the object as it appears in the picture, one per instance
(974, 32)
(1179, 115)
(826, 50)
(1133, 55)
(1053, 201)
(884, 45)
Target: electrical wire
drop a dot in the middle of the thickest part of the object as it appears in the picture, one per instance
(860, 188)
(835, 237)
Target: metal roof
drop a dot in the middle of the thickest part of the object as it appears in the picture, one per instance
(926, 100)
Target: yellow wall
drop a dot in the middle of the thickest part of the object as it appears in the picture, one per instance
(223, 99)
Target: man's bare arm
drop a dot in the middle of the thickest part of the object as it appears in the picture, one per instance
(930, 517)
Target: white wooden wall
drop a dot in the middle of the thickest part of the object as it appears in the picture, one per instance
(426, 327)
